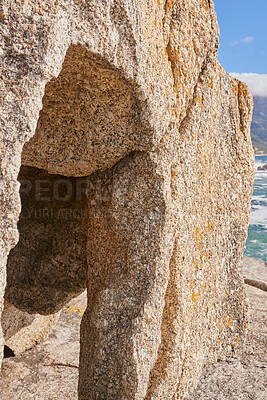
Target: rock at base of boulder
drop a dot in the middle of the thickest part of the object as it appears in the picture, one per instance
(54, 363)
(22, 331)
(244, 376)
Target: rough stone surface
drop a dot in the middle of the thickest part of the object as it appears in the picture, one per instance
(134, 100)
(13, 320)
(91, 98)
(245, 376)
(255, 273)
(50, 370)
(22, 331)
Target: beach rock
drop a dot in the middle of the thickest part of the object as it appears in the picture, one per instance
(22, 331)
(255, 273)
(262, 168)
(130, 98)
(50, 370)
(244, 375)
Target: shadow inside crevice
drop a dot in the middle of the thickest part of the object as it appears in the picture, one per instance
(8, 353)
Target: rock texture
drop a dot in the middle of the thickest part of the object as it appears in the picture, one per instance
(22, 331)
(50, 370)
(244, 376)
(255, 273)
(134, 103)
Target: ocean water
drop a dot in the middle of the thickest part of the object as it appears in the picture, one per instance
(256, 245)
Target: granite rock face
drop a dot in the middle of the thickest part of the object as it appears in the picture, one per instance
(119, 112)
(50, 370)
(242, 376)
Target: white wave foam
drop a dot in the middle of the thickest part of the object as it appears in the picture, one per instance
(258, 216)
(260, 177)
(261, 202)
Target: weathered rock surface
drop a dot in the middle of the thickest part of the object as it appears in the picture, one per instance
(245, 376)
(22, 331)
(255, 273)
(134, 101)
(50, 370)
(254, 269)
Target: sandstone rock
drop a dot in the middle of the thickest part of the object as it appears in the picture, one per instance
(134, 101)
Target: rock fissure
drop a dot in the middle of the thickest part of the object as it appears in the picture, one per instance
(255, 283)
(61, 365)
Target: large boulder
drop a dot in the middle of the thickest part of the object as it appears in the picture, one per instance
(129, 98)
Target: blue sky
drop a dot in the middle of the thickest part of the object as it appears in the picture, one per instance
(243, 42)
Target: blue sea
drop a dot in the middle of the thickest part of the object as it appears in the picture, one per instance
(256, 245)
